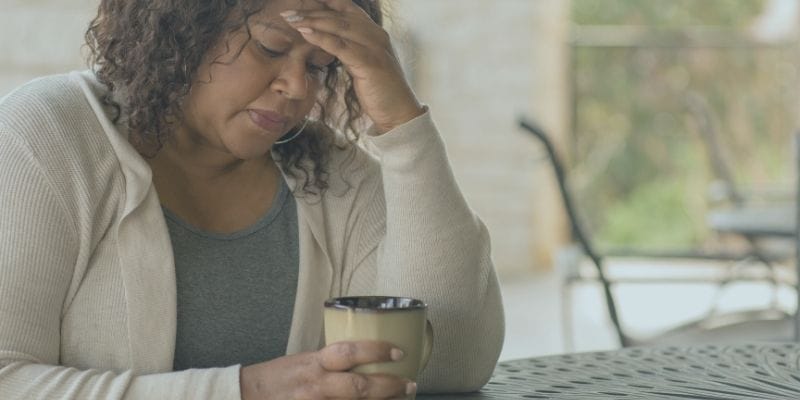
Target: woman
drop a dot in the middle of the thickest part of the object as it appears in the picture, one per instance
(173, 220)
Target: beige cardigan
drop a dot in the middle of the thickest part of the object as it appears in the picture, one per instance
(87, 281)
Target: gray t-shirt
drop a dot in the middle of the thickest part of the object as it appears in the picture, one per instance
(236, 291)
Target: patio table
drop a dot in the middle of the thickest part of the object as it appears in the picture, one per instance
(775, 221)
(746, 371)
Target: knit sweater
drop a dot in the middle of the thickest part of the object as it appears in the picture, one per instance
(87, 279)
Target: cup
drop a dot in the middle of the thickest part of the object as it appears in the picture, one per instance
(401, 321)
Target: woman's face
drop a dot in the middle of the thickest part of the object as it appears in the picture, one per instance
(245, 101)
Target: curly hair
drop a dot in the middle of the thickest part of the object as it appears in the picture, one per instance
(147, 52)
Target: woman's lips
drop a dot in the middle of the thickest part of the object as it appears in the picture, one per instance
(268, 120)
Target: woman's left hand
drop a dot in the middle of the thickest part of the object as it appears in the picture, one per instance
(348, 33)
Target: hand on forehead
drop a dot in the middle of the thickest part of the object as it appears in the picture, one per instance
(336, 5)
(300, 4)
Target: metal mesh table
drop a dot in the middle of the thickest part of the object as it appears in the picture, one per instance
(748, 371)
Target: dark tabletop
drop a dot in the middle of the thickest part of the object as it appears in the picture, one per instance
(747, 371)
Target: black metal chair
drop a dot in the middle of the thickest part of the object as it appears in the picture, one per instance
(770, 324)
(739, 212)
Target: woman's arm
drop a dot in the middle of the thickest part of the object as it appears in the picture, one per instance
(435, 249)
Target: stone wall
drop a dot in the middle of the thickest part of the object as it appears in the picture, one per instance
(479, 65)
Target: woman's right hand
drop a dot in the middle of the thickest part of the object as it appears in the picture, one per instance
(325, 374)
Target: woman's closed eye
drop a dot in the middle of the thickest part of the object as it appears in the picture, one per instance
(272, 53)
(313, 67)
(320, 68)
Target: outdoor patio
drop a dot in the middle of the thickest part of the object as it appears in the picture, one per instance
(533, 305)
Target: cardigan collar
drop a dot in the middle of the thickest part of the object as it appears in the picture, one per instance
(137, 172)
(148, 268)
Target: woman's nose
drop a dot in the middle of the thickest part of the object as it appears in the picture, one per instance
(292, 81)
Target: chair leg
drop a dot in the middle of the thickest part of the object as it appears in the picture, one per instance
(567, 331)
(773, 280)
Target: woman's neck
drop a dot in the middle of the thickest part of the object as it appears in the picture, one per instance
(214, 191)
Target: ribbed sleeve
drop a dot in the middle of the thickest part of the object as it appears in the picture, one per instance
(26, 381)
(435, 249)
(38, 248)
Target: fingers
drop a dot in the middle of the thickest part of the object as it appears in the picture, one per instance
(342, 5)
(325, 20)
(365, 51)
(352, 29)
(343, 356)
(357, 386)
(351, 54)
(357, 58)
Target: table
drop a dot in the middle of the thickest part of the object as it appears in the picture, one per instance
(738, 372)
(774, 221)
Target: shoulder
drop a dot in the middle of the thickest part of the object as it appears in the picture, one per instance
(51, 108)
(51, 111)
(42, 103)
(52, 120)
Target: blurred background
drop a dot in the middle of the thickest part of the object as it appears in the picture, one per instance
(640, 98)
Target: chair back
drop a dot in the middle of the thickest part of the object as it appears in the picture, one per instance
(708, 128)
(578, 233)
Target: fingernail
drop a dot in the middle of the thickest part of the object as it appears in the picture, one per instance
(396, 354)
(291, 16)
(304, 30)
(411, 388)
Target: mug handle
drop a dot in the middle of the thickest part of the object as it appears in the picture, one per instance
(427, 345)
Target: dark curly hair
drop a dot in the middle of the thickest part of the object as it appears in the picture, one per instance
(147, 52)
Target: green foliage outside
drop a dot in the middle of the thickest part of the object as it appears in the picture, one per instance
(638, 162)
(670, 13)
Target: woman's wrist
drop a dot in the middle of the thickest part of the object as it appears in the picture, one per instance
(402, 117)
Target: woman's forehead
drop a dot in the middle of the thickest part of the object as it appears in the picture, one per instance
(277, 6)
(268, 20)
(269, 16)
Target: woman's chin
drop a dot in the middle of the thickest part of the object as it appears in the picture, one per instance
(250, 151)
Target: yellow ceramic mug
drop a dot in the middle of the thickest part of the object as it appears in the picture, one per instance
(401, 321)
